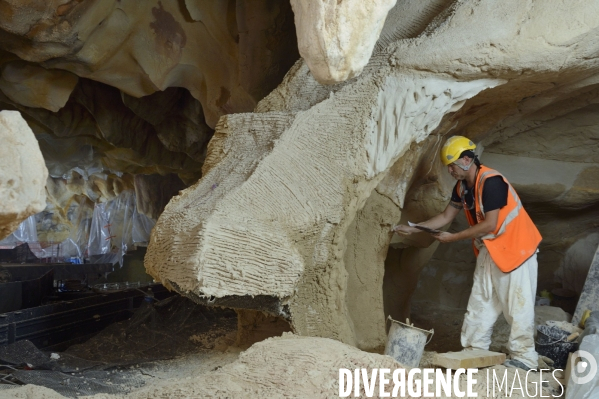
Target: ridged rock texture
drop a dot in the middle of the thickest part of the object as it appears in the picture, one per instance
(298, 198)
(22, 173)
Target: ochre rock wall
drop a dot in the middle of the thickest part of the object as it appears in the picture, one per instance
(227, 54)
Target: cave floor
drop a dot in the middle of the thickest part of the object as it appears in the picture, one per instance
(447, 323)
(200, 350)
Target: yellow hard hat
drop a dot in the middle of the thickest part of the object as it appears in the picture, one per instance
(453, 147)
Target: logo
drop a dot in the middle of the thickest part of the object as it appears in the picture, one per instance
(584, 370)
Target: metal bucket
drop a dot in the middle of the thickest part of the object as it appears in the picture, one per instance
(405, 343)
(551, 342)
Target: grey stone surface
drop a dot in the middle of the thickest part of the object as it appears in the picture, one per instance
(589, 299)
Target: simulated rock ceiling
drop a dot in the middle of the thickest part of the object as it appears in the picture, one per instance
(138, 86)
(313, 161)
(115, 87)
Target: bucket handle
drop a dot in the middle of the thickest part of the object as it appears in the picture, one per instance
(560, 341)
(431, 331)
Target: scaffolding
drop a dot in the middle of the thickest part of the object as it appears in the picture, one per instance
(33, 252)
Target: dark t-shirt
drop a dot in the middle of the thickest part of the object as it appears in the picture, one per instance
(494, 195)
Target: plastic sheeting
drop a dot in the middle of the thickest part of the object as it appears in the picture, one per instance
(114, 227)
(74, 248)
(26, 232)
(141, 229)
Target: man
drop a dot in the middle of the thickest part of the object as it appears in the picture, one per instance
(505, 241)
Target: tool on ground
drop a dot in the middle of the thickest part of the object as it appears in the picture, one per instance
(584, 318)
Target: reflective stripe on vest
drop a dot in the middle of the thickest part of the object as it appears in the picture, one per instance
(510, 216)
(516, 237)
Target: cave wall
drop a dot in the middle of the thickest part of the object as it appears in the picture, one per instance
(342, 141)
(228, 55)
(550, 158)
(118, 93)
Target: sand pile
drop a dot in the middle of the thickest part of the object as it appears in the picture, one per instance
(289, 366)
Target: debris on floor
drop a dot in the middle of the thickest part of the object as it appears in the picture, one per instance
(119, 358)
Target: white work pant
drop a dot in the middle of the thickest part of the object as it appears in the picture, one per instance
(513, 294)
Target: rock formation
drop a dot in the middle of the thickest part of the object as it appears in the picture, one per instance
(22, 173)
(293, 211)
(289, 192)
(142, 48)
(282, 186)
(118, 90)
(336, 38)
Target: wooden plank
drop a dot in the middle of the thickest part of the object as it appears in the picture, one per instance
(468, 359)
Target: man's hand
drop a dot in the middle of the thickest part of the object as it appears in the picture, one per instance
(445, 237)
(405, 230)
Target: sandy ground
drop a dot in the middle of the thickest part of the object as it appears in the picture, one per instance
(290, 366)
(157, 373)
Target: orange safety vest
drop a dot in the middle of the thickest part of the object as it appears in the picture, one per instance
(516, 238)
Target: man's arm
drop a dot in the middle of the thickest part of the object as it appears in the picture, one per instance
(436, 222)
(494, 198)
(480, 229)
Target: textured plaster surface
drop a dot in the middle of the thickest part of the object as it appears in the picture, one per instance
(336, 38)
(318, 153)
(292, 210)
(22, 173)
